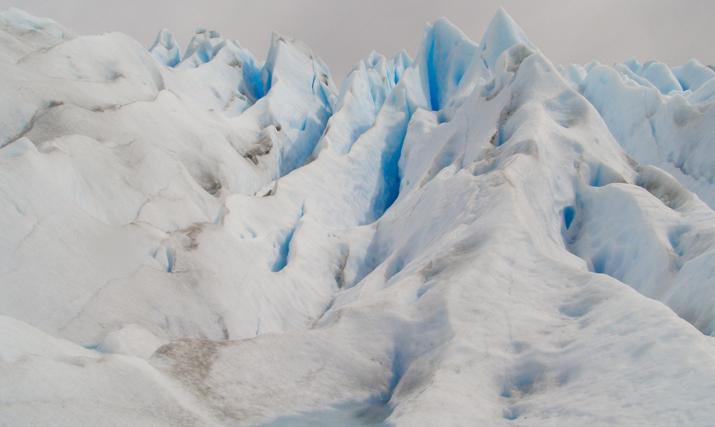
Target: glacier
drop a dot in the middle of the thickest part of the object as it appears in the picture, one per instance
(473, 236)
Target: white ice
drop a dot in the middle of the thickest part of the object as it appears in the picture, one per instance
(472, 237)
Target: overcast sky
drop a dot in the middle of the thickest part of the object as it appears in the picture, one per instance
(343, 31)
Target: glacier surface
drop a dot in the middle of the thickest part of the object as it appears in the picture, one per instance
(471, 237)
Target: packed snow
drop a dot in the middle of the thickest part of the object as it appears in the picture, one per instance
(471, 237)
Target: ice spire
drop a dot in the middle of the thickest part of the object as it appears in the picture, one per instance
(399, 63)
(693, 74)
(165, 48)
(203, 47)
(444, 57)
(501, 34)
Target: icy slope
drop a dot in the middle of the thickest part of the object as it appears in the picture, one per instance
(660, 116)
(120, 162)
(201, 239)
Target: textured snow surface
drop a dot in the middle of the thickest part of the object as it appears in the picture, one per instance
(472, 237)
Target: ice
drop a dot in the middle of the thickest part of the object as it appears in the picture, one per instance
(475, 237)
(501, 34)
(661, 77)
(165, 49)
(361, 97)
(670, 131)
(693, 74)
(22, 33)
(202, 47)
(445, 57)
(662, 243)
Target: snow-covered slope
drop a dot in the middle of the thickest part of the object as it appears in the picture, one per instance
(199, 238)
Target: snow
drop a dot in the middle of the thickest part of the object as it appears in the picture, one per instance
(131, 340)
(475, 237)
(22, 33)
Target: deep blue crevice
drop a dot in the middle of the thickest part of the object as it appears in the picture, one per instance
(174, 61)
(569, 214)
(311, 129)
(267, 78)
(571, 227)
(391, 176)
(500, 137)
(284, 249)
(391, 179)
(252, 79)
(675, 238)
(602, 175)
(432, 74)
(598, 263)
(203, 54)
(398, 370)
(597, 179)
(319, 90)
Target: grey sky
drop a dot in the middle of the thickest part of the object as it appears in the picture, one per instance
(342, 32)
